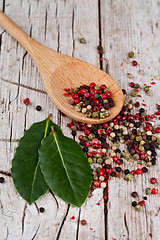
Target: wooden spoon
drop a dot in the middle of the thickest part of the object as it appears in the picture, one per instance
(59, 71)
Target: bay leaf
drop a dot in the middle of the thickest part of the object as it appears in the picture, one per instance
(65, 168)
(26, 173)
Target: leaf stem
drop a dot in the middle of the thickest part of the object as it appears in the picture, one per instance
(48, 119)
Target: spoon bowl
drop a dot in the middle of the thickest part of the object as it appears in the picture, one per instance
(59, 71)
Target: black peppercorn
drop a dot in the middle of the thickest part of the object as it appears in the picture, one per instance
(73, 133)
(153, 162)
(41, 209)
(118, 169)
(141, 110)
(137, 124)
(124, 91)
(113, 174)
(126, 171)
(85, 149)
(2, 179)
(108, 166)
(134, 194)
(134, 203)
(154, 154)
(145, 197)
(144, 169)
(38, 108)
(121, 161)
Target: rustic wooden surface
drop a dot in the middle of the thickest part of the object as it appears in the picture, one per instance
(120, 26)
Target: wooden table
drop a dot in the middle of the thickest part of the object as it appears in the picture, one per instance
(120, 27)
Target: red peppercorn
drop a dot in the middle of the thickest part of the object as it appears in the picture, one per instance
(139, 171)
(157, 113)
(75, 95)
(115, 121)
(119, 117)
(134, 63)
(86, 132)
(76, 101)
(67, 89)
(89, 154)
(104, 96)
(100, 91)
(157, 130)
(154, 191)
(148, 117)
(96, 108)
(133, 172)
(87, 94)
(130, 117)
(26, 101)
(105, 125)
(109, 171)
(131, 84)
(101, 172)
(65, 95)
(124, 117)
(87, 144)
(96, 183)
(103, 86)
(108, 94)
(92, 84)
(142, 203)
(115, 158)
(70, 124)
(153, 180)
(100, 131)
(95, 141)
(153, 116)
(82, 91)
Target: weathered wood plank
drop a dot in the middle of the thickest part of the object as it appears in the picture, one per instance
(132, 26)
(58, 25)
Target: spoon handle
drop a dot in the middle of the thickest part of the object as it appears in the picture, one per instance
(16, 32)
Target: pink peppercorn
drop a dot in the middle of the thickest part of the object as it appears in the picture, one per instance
(92, 85)
(154, 191)
(153, 180)
(134, 63)
(96, 183)
(139, 171)
(157, 130)
(26, 101)
(86, 132)
(131, 84)
(95, 141)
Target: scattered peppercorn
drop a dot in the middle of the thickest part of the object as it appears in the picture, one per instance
(134, 203)
(82, 40)
(41, 209)
(134, 194)
(26, 101)
(2, 179)
(138, 208)
(38, 108)
(83, 222)
(131, 54)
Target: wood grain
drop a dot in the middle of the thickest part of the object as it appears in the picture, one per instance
(131, 26)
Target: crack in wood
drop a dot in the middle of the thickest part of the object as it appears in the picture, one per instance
(36, 207)
(23, 58)
(73, 49)
(29, 11)
(35, 233)
(100, 32)
(30, 32)
(24, 86)
(54, 199)
(25, 120)
(9, 140)
(5, 173)
(45, 30)
(63, 221)
(57, 24)
(7, 233)
(23, 217)
(125, 223)
(3, 6)
(146, 216)
(19, 79)
(78, 224)
(1, 39)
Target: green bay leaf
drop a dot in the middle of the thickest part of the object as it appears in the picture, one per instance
(26, 173)
(65, 168)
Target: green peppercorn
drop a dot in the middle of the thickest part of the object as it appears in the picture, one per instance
(154, 138)
(138, 208)
(82, 40)
(88, 114)
(149, 164)
(91, 136)
(104, 114)
(94, 160)
(158, 141)
(126, 155)
(129, 177)
(131, 54)
(90, 160)
(118, 155)
(134, 93)
(143, 114)
(146, 88)
(85, 139)
(100, 160)
(95, 114)
(105, 100)
(96, 95)
(126, 124)
(75, 90)
(132, 136)
(98, 155)
(141, 148)
(95, 178)
(71, 102)
(158, 146)
(73, 128)
(97, 87)
(148, 191)
(106, 89)
(136, 157)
